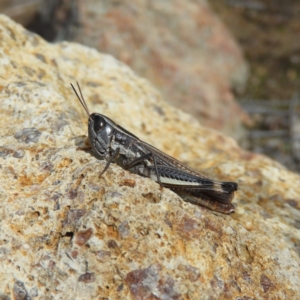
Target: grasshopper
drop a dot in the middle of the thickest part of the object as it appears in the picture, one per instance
(114, 143)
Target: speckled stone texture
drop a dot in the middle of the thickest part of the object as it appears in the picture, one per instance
(180, 46)
(67, 233)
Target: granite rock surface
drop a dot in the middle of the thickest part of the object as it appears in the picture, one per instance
(67, 233)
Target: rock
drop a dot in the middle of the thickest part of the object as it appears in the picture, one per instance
(186, 52)
(21, 11)
(67, 233)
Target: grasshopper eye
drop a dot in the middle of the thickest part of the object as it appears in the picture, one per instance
(99, 124)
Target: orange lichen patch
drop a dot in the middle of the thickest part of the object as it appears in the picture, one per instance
(179, 247)
(16, 228)
(103, 291)
(65, 162)
(25, 180)
(72, 271)
(100, 235)
(114, 206)
(40, 178)
(128, 182)
(112, 232)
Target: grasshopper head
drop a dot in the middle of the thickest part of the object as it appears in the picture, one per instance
(100, 130)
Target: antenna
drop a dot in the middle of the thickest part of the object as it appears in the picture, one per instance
(80, 98)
